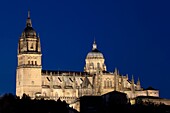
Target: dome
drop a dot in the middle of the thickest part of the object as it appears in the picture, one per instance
(29, 31)
(95, 53)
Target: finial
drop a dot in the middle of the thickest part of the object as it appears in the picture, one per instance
(121, 77)
(132, 85)
(132, 79)
(138, 82)
(28, 13)
(116, 70)
(94, 44)
(94, 40)
(138, 79)
(28, 22)
(127, 76)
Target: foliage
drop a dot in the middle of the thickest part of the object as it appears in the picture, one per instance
(116, 102)
(12, 104)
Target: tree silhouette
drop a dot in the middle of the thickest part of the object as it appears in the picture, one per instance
(12, 104)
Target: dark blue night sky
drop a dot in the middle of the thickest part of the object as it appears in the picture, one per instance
(134, 37)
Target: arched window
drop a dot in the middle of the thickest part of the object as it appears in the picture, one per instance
(84, 92)
(104, 84)
(35, 62)
(110, 83)
(91, 65)
(98, 65)
(32, 46)
(107, 84)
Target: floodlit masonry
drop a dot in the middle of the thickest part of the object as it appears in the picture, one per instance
(68, 85)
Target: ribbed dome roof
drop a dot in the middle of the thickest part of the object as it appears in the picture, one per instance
(95, 53)
(29, 31)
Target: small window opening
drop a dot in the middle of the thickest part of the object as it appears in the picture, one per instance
(35, 62)
(31, 46)
(32, 82)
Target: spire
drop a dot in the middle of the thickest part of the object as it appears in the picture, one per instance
(116, 72)
(28, 13)
(28, 22)
(127, 76)
(94, 40)
(132, 85)
(138, 82)
(132, 80)
(138, 86)
(94, 44)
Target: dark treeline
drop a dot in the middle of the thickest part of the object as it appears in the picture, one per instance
(136, 108)
(116, 102)
(9, 103)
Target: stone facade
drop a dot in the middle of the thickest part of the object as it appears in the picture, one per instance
(68, 85)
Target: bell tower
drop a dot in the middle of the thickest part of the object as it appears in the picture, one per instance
(28, 73)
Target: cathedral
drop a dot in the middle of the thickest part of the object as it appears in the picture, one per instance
(32, 80)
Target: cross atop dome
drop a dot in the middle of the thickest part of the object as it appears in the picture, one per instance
(94, 45)
(28, 13)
